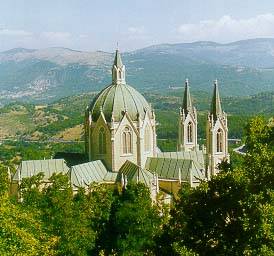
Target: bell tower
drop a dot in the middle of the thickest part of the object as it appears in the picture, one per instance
(217, 133)
(187, 134)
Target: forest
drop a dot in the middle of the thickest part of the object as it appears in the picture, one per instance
(232, 214)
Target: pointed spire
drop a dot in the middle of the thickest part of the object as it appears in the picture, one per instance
(216, 108)
(118, 60)
(118, 70)
(187, 102)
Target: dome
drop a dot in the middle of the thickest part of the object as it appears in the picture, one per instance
(116, 99)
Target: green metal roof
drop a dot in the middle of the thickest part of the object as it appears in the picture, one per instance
(135, 173)
(168, 168)
(197, 156)
(32, 167)
(116, 99)
(87, 173)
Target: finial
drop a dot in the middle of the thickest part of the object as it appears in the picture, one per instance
(117, 46)
(216, 81)
(186, 82)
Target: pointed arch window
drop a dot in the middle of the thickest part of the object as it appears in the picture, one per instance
(120, 74)
(219, 140)
(189, 132)
(147, 139)
(127, 141)
(102, 141)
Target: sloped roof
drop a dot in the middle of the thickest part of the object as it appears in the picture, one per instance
(32, 167)
(169, 168)
(197, 156)
(95, 171)
(135, 173)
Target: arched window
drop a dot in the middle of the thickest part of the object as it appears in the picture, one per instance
(147, 139)
(127, 141)
(102, 141)
(219, 140)
(189, 132)
(120, 74)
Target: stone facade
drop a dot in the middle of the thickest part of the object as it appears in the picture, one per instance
(120, 126)
(129, 134)
(187, 134)
(216, 134)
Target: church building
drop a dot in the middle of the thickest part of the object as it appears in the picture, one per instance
(121, 141)
(120, 131)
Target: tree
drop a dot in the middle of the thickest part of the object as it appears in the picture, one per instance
(62, 214)
(134, 223)
(20, 232)
(64, 217)
(233, 213)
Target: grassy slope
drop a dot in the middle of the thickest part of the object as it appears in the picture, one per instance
(62, 118)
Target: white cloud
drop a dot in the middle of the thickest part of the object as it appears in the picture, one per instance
(56, 36)
(136, 30)
(83, 36)
(228, 29)
(14, 32)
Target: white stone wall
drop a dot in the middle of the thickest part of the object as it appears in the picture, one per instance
(214, 157)
(114, 157)
(183, 144)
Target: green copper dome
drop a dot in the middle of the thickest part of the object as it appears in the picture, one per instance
(116, 99)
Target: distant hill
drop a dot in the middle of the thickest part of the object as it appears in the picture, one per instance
(243, 68)
(254, 53)
(63, 119)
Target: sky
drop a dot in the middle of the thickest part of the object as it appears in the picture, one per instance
(91, 25)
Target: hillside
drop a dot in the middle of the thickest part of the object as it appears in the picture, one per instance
(46, 75)
(63, 119)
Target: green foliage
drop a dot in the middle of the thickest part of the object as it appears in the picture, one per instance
(20, 232)
(182, 250)
(233, 213)
(62, 214)
(135, 222)
(4, 180)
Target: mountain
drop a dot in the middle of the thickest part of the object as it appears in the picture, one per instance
(44, 75)
(253, 53)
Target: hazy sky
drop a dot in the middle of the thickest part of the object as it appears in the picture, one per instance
(99, 25)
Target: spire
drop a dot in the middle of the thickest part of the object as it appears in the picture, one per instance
(187, 102)
(118, 70)
(118, 60)
(216, 109)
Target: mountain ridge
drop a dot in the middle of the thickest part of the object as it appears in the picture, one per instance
(244, 68)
